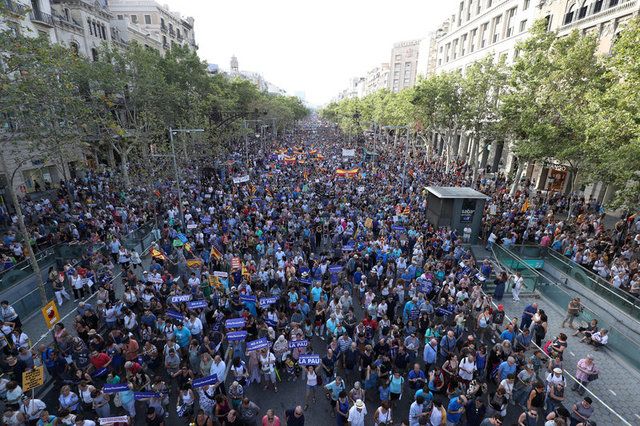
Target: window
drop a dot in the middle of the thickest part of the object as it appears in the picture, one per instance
(472, 43)
(398, 57)
(479, 7)
(134, 19)
(469, 9)
(483, 34)
(397, 65)
(120, 17)
(568, 18)
(94, 54)
(582, 12)
(89, 24)
(613, 3)
(178, 33)
(460, 13)
(407, 64)
(447, 48)
(597, 6)
(75, 49)
(525, 6)
(496, 29)
(463, 45)
(104, 32)
(523, 25)
(396, 73)
(454, 48)
(489, 3)
(407, 81)
(147, 19)
(511, 22)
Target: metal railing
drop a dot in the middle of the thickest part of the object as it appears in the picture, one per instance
(625, 301)
(620, 342)
(139, 239)
(566, 372)
(13, 6)
(39, 16)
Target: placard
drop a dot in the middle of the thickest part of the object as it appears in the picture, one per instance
(180, 298)
(220, 274)
(197, 304)
(33, 378)
(115, 388)
(335, 269)
(348, 152)
(248, 298)
(203, 381)
(240, 179)
(112, 420)
(234, 323)
(175, 315)
(257, 344)
(192, 225)
(312, 359)
(145, 395)
(236, 335)
(293, 344)
(266, 301)
(50, 314)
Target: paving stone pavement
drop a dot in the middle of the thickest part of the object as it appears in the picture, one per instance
(617, 383)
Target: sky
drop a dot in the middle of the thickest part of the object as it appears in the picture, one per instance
(308, 46)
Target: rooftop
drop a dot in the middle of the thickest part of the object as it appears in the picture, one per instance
(455, 192)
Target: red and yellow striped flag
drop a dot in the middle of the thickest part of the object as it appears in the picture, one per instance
(215, 253)
(157, 254)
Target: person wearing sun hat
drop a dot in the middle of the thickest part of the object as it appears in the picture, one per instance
(357, 413)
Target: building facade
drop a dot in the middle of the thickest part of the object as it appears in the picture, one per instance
(403, 65)
(168, 27)
(377, 79)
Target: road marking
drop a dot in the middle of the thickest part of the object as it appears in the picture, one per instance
(614, 394)
(572, 354)
(637, 416)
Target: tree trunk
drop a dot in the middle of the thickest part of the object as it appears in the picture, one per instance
(112, 158)
(395, 139)
(572, 182)
(25, 234)
(124, 166)
(449, 147)
(516, 180)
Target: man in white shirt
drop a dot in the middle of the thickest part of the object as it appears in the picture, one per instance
(218, 368)
(357, 413)
(31, 408)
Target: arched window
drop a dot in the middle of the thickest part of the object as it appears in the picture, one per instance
(75, 49)
(568, 17)
(582, 12)
(597, 6)
(94, 54)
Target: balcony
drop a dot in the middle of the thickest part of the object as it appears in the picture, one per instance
(601, 11)
(163, 28)
(40, 17)
(13, 7)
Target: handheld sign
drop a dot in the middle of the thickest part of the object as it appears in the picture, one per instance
(335, 269)
(306, 281)
(181, 298)
(175, 315)
(235, 336)
(257, 344)
(234, 323)
(33, 378)
(145, 395)
(111, 420)
(220, 274)
(312, 359)
(248, 298)
(298, 344)
(114, 388)
(197, 304)
(50, 314)
(266, 301)
(203, 381)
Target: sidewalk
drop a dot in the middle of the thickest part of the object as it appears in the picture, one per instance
(616, 377)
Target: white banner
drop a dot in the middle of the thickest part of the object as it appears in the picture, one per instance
(241, 179)
(348, 152)
(112, 420)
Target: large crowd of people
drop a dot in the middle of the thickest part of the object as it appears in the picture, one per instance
(315, 267)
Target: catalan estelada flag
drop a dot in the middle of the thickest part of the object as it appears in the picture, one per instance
(215, 253)
(289, 160)
(157, 254)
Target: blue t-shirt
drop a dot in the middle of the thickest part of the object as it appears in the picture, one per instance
(453, 406)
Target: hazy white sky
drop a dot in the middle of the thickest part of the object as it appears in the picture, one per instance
(308, 46)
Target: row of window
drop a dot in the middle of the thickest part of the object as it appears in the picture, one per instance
(471, 8)
(135, 19)
(579, 10)
(97, 29)
(486, 34)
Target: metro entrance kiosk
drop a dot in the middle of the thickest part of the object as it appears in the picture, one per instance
(456, 207)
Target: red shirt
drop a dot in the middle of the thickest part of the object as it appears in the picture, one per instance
(100, 360)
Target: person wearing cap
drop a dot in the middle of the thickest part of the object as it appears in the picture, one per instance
(357, 413)
(32, 408)
(581, 411)
(554, 378)
(586, 372)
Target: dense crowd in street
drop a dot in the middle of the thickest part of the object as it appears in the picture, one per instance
(302, 276)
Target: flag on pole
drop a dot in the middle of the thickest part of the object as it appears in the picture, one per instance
(525, 206)
(157, 254)
(215, 253)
